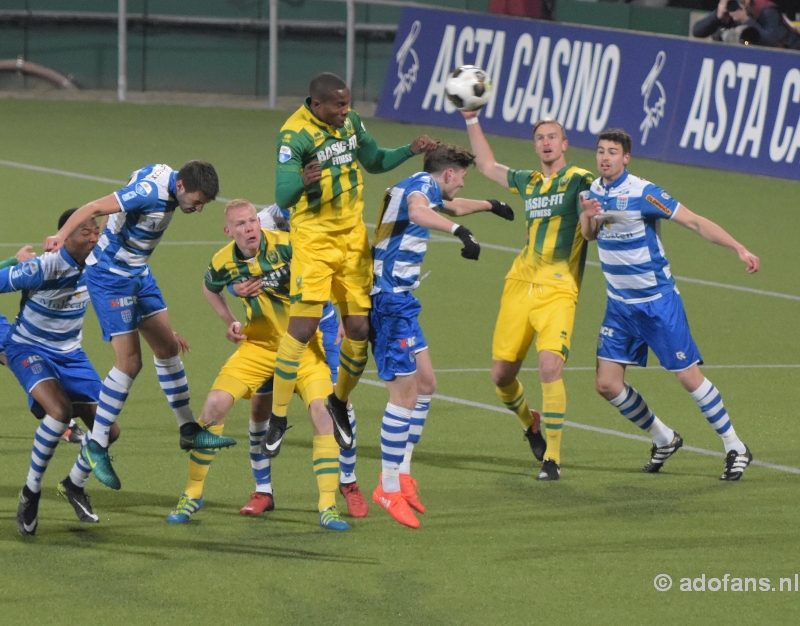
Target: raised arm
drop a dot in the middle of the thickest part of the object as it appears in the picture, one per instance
(484, 157)
(421, 214)
(97, 208)
(716, 234)
(465, 206)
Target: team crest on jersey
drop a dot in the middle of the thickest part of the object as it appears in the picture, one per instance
(318, 136)
(29, 268)
(37, 369)
(563, 183)
(127, 316)
(348, 125)
(284, 154)
(272, 257)
(299, 281)
(622, 203)
(143, 188)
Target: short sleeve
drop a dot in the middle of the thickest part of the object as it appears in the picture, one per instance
(657, 203)
(518, 180)
(139, 195)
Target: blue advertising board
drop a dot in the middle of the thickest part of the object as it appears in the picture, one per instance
(717, 105)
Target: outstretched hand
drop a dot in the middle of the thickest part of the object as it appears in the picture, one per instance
(591, 207)
(502, 209)
(751, 260)
(421, 144)
(25, 253)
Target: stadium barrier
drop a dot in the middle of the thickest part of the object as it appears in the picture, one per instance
(687, 101)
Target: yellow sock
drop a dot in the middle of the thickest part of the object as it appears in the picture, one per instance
(287, 362)
(554, 401)
(199, 464)
(352, 361)
(513, 396)
(326, 468)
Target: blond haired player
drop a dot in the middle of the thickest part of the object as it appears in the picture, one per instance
(541, 289)
(318, 175)
(266, 254)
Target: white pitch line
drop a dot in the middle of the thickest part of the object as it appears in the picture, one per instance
(595, 429)
(470, 370)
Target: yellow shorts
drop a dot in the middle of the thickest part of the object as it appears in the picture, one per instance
(253, 364)
(331, 266)
(528, 310)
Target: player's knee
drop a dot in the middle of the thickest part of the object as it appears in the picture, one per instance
(356, 327)
(61, 411)
(427, 387)
(501, 376)
(606, 387)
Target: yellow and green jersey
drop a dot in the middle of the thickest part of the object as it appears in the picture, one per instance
(556, 251)
(335, 202)
(268, 313)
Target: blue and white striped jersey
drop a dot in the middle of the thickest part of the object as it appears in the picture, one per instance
(631, 255)
(274, 218)
(54, 301)
(148, 204)
(400, 245)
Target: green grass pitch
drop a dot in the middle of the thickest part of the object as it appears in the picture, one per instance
(495, 546)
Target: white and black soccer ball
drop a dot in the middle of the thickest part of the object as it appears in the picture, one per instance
(468, 88)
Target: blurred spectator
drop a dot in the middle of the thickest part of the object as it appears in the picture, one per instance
(759, 22)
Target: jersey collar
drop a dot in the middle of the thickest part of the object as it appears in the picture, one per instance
(68, 258)
(616, 183)
(173, 189)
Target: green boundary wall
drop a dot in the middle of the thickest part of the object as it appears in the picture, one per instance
(210, 60)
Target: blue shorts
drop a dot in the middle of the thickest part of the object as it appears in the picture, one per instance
(121, 302)
(73, 370)
(629, 329)
(395, 334)
(4, 328)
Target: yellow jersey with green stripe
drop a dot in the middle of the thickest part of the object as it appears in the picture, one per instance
(267, 313)
(555, 253)
(335, 203)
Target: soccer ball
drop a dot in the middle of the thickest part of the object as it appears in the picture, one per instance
(468, 88)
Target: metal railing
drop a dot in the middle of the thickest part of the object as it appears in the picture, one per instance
(124, 20)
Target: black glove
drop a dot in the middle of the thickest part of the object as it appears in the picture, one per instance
(502, 209)
(471, 249)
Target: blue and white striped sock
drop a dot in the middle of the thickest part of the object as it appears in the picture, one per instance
(45, 441)
(259, 463)
(113, 394)
(634, 408)
(415, 427)
(347, 458)
(709, 400)
(172, 378)
(79, 473)
(394, 437)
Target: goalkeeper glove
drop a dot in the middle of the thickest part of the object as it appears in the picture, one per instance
(502, 209)
(472, 248)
